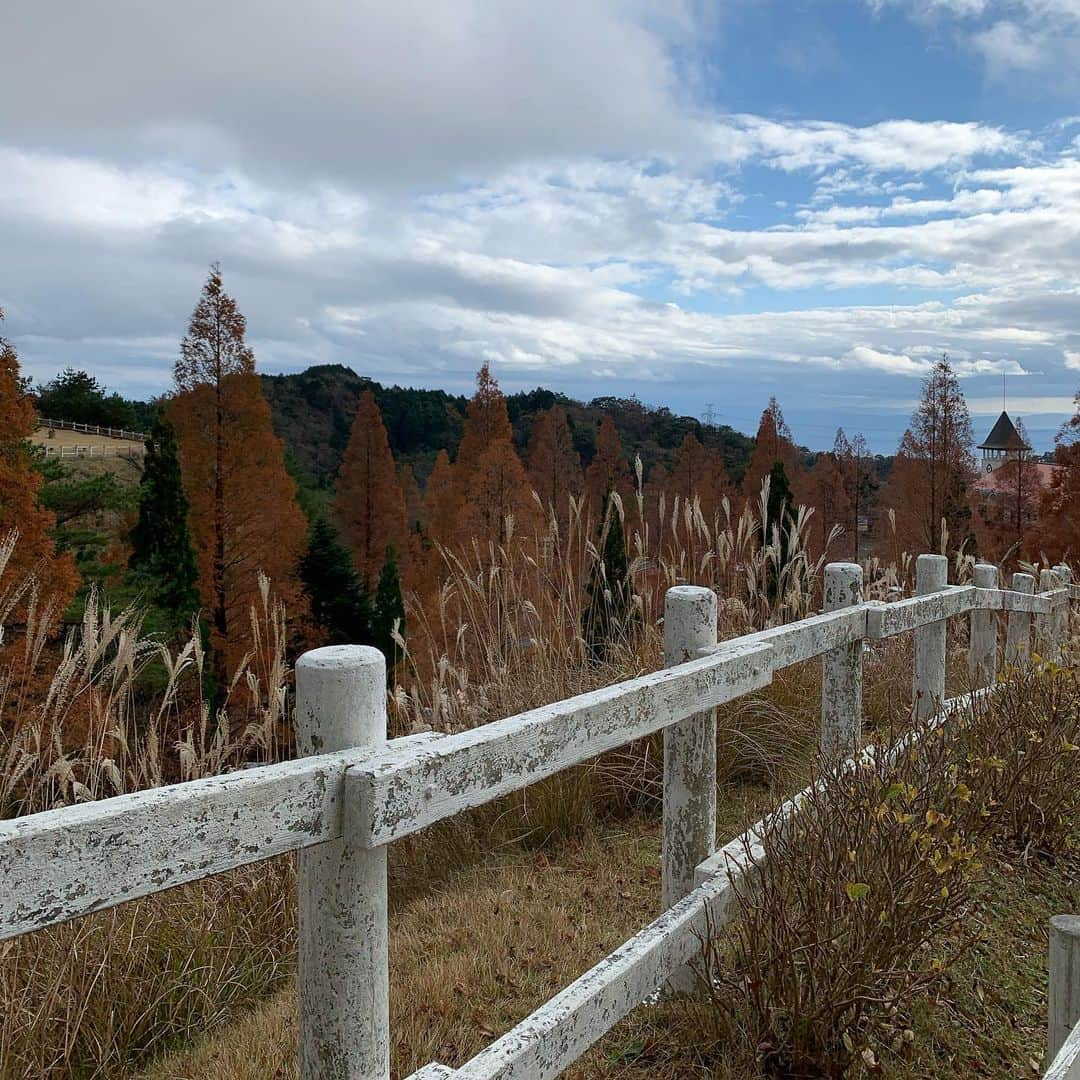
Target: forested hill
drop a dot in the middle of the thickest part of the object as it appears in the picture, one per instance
(313, 413)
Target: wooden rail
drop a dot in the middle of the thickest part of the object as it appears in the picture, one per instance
(354, 793)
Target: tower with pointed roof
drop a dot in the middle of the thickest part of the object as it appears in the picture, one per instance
(1003, 444)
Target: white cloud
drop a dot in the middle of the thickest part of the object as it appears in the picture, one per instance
(1012, 36)
(1072, 359)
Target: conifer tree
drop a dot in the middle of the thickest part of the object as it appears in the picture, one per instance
(389, 609)
(608, 471)
(830, 498)
(610, 612)
(414, 501)
(20, 486)
(1058, 530)
(934, 467)
(441, 509)
(490, 482)
(339, 602)
(554, 464)
(777, 523)
(369, 506)
(772, 443)
(161, 545)
(857, 475)
(243, 511)
(699, 471)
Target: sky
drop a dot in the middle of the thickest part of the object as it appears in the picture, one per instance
(703, 204)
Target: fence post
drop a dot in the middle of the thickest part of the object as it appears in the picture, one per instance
(982, 647)
(1046, 625)
(841, 668)
(344, 968)
(1018, 631)
(1064, 981)
(931, 576)
(689, 829)
(1065, 578)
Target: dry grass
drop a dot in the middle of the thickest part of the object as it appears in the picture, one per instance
(487, 946)
(504, 635)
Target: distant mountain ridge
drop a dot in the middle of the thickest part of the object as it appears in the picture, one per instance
(313, 412)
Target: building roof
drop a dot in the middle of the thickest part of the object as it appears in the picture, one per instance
(1003, 436)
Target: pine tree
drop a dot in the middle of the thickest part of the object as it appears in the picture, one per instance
(339, 602)
(161, 545)
(389, 610)
(610, 612)
(20, 486)
(934, 467)
(369, 506)
(243, 511)
(554, 464)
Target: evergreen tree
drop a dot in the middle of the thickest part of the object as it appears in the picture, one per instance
(778, 519)
(161, 546)
(609, 611)
(339, 602)
(389, 609)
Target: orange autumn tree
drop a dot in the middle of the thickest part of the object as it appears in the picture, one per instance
(699, 471)
(856, 465)
(1057, 533)
(554, 464)
(829, 497)
(243, 511)
(773, 443)
(608, 471)
(54, 575)
(440, 502)
(489, 479)
(369, 507)
(929, 486)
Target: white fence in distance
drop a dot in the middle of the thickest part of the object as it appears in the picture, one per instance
(356, 792)
(131, 451)
(91, 429)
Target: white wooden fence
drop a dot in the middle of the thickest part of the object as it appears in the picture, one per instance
(354, 793)
(91, 429)
(131, 451)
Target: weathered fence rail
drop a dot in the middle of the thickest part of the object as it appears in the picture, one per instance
(130, 451)
(356, 792)
(91, 429)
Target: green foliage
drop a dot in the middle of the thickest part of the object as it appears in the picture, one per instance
(339, 602)
(77, 396)
(389, 609)
(610, 612)
(313, 413)
(162, 552)
(780, 506)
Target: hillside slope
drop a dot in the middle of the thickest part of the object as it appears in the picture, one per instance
(313, 412)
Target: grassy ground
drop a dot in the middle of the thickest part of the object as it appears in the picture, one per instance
(473, 958)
